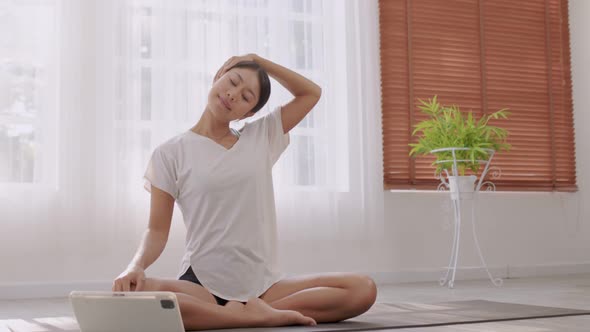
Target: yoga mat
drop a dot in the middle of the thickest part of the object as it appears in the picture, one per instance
(382, 316)
(386, 316)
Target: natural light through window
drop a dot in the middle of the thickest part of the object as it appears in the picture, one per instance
(27, 89)
(170, 68)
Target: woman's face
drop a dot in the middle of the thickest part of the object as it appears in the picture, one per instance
(234, 95)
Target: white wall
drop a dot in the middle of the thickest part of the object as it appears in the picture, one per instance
(532, 233)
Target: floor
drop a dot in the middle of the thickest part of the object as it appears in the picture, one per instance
(563, 291)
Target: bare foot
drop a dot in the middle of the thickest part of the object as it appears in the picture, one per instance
(265, 316)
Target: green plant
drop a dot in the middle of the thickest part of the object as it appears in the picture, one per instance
(448, 127)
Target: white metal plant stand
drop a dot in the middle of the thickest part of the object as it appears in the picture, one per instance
(450, 182)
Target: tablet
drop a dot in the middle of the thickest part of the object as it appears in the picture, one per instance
(126, 311)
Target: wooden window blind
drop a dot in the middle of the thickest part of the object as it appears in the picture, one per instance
(481, 55)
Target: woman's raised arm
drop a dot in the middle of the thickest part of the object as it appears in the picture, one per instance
(306, 93)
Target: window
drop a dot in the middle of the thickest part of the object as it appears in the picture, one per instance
(28, 93)
(176, 48)
(482, 56)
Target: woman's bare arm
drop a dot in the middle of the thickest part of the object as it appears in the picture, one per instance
(306, 93)
(152, 244)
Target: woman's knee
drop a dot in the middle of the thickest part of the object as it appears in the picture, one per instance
(365, 293)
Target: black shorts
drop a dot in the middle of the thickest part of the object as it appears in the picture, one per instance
(189, 275)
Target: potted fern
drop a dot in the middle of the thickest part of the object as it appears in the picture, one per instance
(452, 135)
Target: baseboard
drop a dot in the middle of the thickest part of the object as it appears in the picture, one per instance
(20, 291)
(32, 290)
(477, 273)
(547, 270)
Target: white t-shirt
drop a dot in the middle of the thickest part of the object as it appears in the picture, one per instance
(227, 202)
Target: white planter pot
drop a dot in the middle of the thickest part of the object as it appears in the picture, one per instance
(462, 186)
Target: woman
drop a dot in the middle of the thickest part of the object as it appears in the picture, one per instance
(221, 179)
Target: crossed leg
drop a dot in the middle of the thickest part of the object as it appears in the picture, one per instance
(297, 300)
(325, 297)
(200, 311)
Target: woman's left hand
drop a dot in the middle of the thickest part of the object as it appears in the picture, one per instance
(231, 62)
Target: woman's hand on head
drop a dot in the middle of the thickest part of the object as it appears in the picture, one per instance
(231, 62)
(131, 280)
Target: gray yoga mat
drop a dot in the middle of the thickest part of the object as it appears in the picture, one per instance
(382, 316)
(385, 316)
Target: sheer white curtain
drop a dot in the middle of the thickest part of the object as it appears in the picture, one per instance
(124, 76)
(339, 225)
(51, 223)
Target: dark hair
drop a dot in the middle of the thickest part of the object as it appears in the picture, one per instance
(262, 78)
